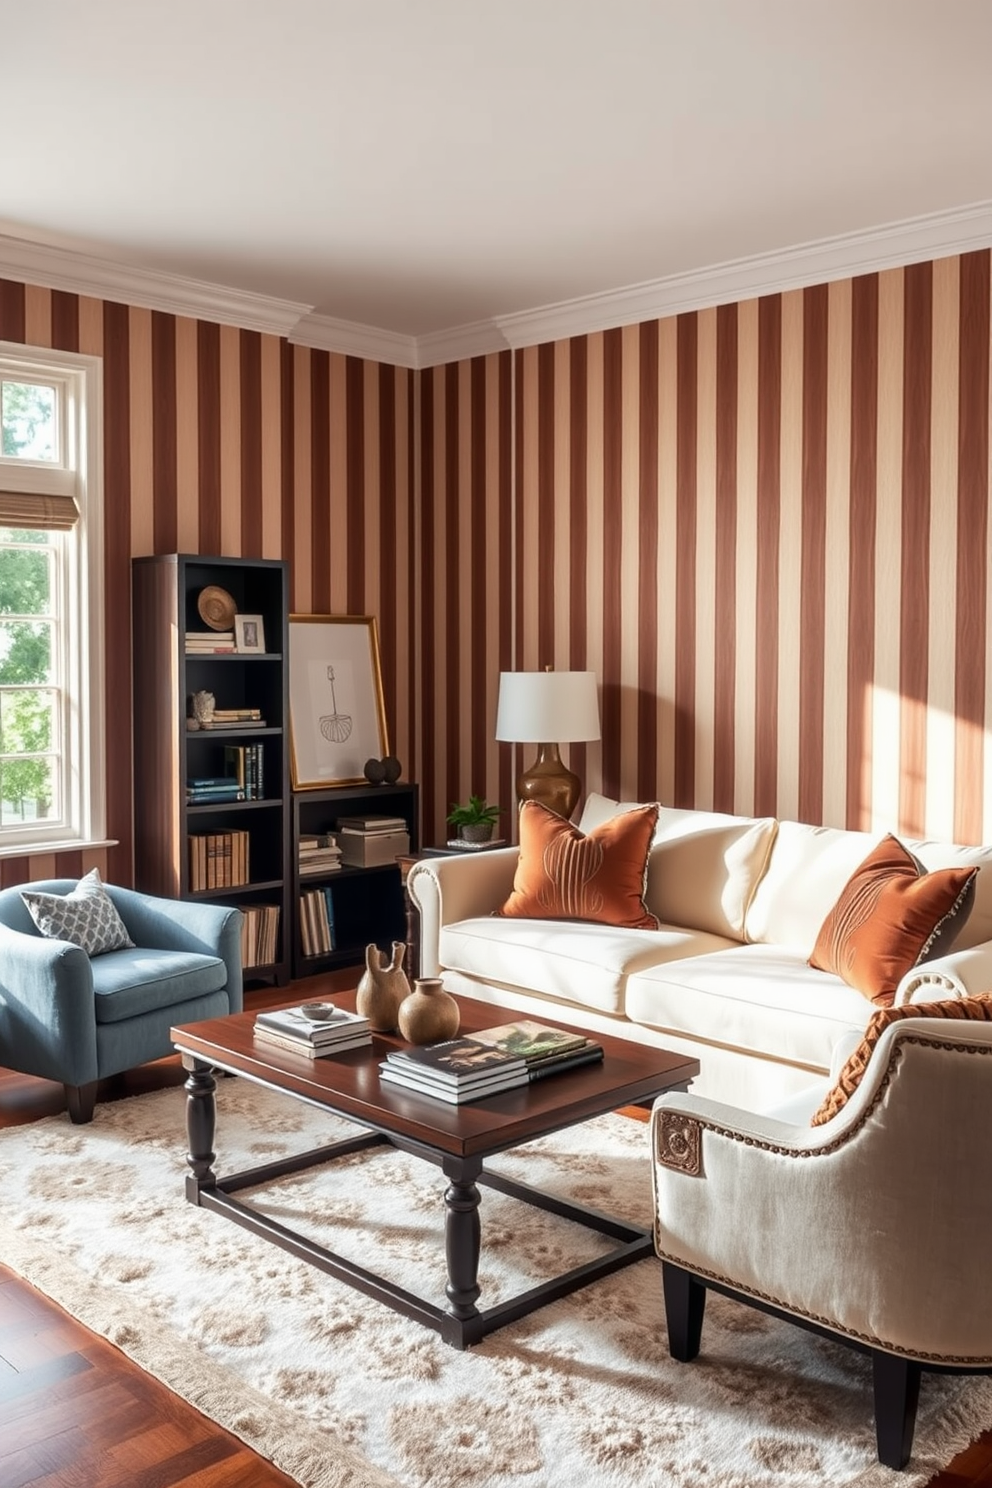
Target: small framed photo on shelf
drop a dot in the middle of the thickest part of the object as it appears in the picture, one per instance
(249, 633)
(336, 711)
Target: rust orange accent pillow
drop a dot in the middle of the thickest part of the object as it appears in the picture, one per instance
(888, 919)
(564, 874)
(976, 1008)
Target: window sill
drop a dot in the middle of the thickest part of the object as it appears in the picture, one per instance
(56, 845)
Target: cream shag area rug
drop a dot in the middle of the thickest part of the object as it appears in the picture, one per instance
(341, 1392)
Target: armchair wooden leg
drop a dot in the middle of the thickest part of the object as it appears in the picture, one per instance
(897, 1394)
(80, 1101)
(685, 1302)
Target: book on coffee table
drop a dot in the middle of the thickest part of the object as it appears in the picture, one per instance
(452, 1092)
(292, 1023)
(529, 1039)
(287, 1042)
(457, 1060)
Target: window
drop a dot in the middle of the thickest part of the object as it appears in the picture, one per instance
(51, 631)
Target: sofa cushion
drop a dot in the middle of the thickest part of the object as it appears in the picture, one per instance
(86, 916)
(759, 998)
(582, 963)
(704, 866)
(565, 873)
(129, 983)
(809, 866)
(974, 1008)
(890, 915)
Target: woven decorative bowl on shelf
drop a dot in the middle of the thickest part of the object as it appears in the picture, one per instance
(216, 607)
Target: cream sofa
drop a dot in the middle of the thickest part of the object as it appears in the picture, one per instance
(740, 901)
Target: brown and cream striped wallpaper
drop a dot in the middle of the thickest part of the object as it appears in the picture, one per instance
(764, 526)
(226, 441)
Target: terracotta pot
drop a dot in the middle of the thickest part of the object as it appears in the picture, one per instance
(382, 987)
(429, 1014)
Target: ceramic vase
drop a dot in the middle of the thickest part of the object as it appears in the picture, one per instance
(429, 1014)
(383, 987)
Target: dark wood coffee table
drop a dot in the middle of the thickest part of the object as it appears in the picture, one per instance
(458, 1139)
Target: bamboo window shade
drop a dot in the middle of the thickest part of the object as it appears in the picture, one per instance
(41, 512)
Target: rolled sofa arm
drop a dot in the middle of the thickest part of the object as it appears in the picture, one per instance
(47, 1012)
(446, 890)
(958, 974)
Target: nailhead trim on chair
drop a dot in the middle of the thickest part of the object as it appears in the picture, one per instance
(769, 1297)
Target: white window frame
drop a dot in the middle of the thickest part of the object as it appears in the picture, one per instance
(79, 474)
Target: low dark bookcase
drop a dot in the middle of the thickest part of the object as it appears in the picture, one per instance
(167, 753)
(368, 903)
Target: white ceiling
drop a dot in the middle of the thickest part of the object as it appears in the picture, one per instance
(420, 166)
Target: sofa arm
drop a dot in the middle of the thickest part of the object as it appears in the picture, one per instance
(446, 890)
(47, 1008)
(180, 925)
(958, 974)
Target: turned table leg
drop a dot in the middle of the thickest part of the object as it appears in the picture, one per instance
(462, 1237)
(201, 1123)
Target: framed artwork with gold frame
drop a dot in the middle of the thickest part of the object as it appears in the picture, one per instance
(337, 716)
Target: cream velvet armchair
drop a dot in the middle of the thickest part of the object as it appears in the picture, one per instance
(872, 1228)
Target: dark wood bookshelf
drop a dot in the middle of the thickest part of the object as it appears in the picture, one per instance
(167, 753)
(368, 903)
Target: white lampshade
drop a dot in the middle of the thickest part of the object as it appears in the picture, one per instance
(540, 707)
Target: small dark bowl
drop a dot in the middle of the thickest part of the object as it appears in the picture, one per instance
(318, 1011)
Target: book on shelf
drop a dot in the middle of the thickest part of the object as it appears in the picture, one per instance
(455, 1095)
(316, 922)
(294, 1023)
(244, 765)
(217, 860)
(211, 637)
(290, 1045)
(372, 823)
(236, 715)
(241, 725)
(259, 934)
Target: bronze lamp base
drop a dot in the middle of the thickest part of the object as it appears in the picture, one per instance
(550, 781)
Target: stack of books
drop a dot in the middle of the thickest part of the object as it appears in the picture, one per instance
(209, 642)
(291, 1029)
(235, 719)
(244, 765)
(317, 922)
(370, 841)
(318, 854)
(485, 1063)
(203, 790)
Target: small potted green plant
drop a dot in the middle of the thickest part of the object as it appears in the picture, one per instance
(474, 820)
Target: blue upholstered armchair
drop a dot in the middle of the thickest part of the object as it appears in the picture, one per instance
(69, 1017)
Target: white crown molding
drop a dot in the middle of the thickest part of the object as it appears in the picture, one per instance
(480, 338)
(937, 235)
(324, 333)
(79, 273)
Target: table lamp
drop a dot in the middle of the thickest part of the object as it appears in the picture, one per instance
(536, 707)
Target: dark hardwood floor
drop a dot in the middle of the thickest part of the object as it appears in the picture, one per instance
(76, 1413)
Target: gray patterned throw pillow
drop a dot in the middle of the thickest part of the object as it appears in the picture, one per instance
(86, 916)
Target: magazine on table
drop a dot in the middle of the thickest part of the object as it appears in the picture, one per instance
(270, 1038)
(530, 1039)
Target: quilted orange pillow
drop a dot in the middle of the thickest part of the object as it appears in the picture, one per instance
(976, 1008)
(564, 874)
(888, 919)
